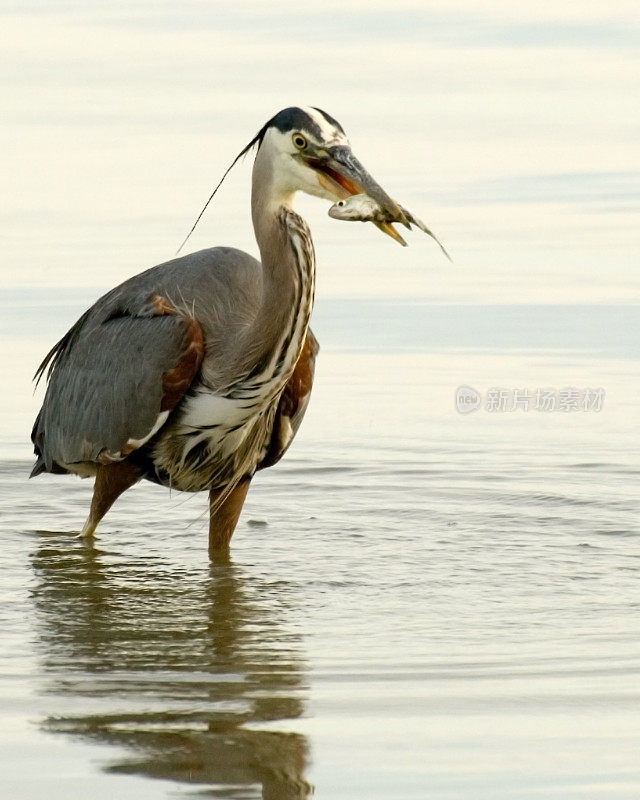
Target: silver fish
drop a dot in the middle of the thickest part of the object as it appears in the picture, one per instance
(362, 208)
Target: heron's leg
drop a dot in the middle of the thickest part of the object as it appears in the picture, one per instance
(224, 516)
(111, 481)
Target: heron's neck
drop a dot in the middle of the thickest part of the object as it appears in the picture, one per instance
(288, 260)
(268, 203)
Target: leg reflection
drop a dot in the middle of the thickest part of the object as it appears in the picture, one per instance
(194, 672)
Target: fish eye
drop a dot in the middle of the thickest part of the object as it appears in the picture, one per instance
(299, 141)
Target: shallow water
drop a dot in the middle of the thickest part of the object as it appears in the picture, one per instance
(417, 603)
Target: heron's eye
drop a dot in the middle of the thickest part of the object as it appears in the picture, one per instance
(299, 141)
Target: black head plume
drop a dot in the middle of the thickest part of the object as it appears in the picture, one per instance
(257, 139)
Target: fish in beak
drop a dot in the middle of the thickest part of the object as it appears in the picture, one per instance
(360, 196)
(341, 174)
(363, 208)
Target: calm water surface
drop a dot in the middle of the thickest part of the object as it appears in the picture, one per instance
(417, 603)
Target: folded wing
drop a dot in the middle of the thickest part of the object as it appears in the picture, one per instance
(113, 383)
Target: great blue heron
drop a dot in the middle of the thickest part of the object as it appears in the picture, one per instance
(196, 373)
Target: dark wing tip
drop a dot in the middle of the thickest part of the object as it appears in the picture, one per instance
(38, 468)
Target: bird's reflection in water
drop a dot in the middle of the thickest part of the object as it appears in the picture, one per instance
(187, 669)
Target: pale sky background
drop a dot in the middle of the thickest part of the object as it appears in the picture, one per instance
(511, 129)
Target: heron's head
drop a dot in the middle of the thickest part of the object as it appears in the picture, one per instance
(304, 149)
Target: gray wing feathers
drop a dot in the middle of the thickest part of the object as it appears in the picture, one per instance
(107, 389)
(105, 374)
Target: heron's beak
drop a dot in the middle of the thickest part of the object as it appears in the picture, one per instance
(340, 173)
(387, 227)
